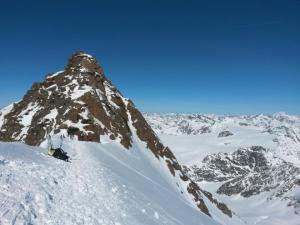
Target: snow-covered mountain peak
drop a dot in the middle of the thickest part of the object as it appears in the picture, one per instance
(78, 101)
(81, 103)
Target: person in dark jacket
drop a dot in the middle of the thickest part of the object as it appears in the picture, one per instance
(58, 153)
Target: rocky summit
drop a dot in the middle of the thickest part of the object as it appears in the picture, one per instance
(81, 102)
(78, 101)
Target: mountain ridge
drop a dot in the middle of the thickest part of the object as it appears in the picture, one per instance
(80, 102)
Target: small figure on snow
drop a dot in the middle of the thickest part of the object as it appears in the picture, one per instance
(58, 153)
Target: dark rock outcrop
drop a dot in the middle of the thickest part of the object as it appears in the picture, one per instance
(225, 133)
(247, 171)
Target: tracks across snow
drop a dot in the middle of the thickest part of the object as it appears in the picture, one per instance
(86, 183)
(104, 185)
(55, 192)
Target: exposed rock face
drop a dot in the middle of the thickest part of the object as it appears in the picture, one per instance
(225, 133)
(70, 100)
(80, 101)
(247, 171)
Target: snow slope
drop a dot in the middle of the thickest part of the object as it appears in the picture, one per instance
(104, 184)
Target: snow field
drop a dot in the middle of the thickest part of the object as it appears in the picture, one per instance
(105, 184)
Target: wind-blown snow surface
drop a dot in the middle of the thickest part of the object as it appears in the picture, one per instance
(193, 137)
(105, 184)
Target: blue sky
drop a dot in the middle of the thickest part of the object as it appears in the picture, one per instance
(229, 57)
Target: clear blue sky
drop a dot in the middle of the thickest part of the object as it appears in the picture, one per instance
(229, 57)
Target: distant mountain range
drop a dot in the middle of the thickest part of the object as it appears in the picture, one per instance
(252, 162)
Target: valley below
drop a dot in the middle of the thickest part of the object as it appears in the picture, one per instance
(251, 163)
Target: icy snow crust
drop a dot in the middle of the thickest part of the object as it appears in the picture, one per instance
(104, 184)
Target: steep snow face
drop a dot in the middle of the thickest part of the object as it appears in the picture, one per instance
(103, 185)
(257, 166)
